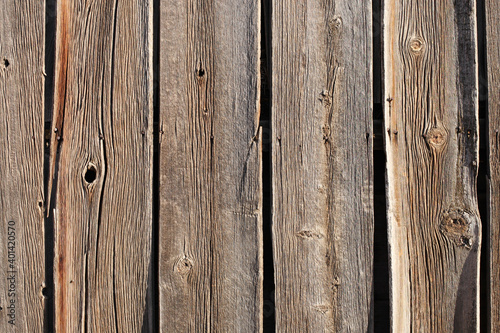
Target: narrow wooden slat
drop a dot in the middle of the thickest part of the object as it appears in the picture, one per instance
(22, 273)
(493, 55)
(102, 134)
(322, 165)
(431, 137)
(210, 269)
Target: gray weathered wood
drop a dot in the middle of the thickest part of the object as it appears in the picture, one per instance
(210, 269)
(322, 165)
(493, 56)
(431, 124)
(22, 270)
(101, 165)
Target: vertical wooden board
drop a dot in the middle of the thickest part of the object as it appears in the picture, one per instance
(431, 124)
(322, 165)
(22, 259)
(210, 269)
(493, 60)
(101, 158)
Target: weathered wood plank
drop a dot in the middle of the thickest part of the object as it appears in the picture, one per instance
(101, 154)
(493, 60)
(431, 124)
(322, 165)
(22, 273)
(210, 267)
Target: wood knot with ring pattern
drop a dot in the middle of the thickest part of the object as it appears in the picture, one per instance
(436, 138)
(417, 45)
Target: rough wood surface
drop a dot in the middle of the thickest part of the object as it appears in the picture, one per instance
(22, 270)
(493, 60)
(322, 165)
(210, 269)
(101, 165)
(431, 124)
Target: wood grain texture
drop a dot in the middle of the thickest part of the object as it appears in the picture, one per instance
(22, 259)
(210, 269)
(493, 60)
(431, 124)
(322, 165)
(102, 163)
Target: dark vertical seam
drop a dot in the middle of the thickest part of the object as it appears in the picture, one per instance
(49, 37)
(155, 295)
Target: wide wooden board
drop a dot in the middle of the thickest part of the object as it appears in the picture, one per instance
(210, 260)
(22, 202)
(431, 139)
(322, 101)
(493, 61)
(101, 165)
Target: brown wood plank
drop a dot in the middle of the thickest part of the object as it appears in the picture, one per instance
(22, 259)
(101, 164)
(493, 61)
(322, 165)
(210, 268)
(431, 136)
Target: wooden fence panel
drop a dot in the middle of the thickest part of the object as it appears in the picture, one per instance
(322, 165)
(22, 273)
(431, 123)
(101, 164)
(210, 267)
(493, 56)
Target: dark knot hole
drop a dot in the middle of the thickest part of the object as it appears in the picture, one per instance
(90, 174)
(200, 72)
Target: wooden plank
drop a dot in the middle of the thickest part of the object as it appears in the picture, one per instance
(493, 60)
(101, 164)
(431, 137)
(22, 273)
(210, 269)
(322, 165)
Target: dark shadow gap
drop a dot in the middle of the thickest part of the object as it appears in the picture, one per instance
(154, 294)
(50, 46)
(482, 181)
(380, 246)
(265, 116)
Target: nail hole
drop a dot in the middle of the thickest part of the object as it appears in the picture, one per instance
(91, 174)
(45, 292)
(6, 62)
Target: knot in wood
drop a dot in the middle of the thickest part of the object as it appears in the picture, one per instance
(200, 72)
(335, 23)
(325, 98)
(184, 266)
(5, 63)
(90, 174)
(455, 224)
(309, 234)
(417, 45)
(326, 132)
(436, 137)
